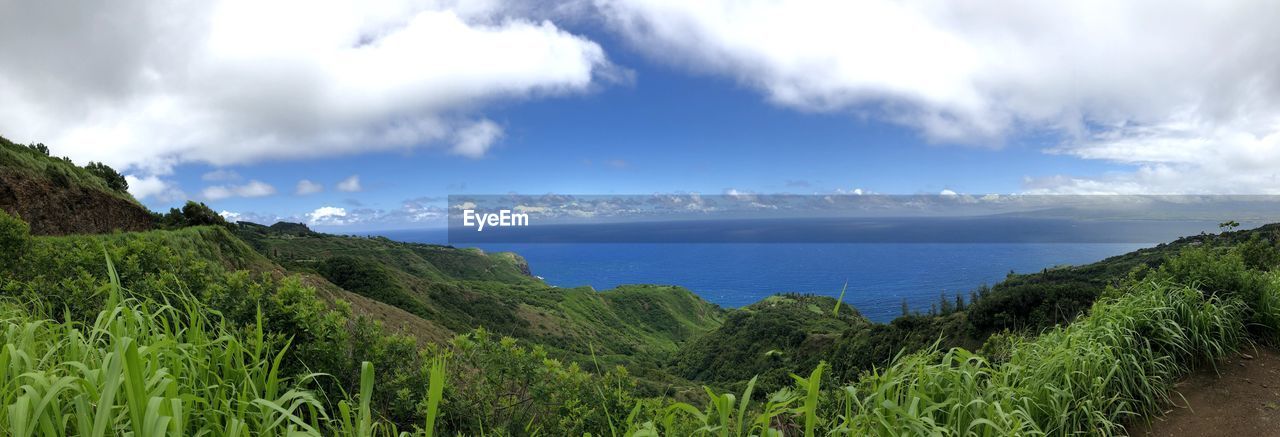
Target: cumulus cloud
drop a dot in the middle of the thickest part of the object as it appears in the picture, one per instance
(474, 140)
(153, 187)
(327, 215)
(306, 187)
(350, 185)
(154, 84)
(253, 188)
(1186, 92)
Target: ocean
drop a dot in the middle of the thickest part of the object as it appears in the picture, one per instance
(880, 275)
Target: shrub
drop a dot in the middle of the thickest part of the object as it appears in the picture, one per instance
(199, 214)
(15, 238)
(192, 214)
(1260, 253)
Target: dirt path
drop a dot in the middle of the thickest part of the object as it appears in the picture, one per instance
(1244, 400)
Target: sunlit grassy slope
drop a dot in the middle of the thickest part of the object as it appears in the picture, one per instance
(463, 289)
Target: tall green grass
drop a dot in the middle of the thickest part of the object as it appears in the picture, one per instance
(163, 366)
(1110, 368)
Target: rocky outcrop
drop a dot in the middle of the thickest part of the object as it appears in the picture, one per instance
(52, 209)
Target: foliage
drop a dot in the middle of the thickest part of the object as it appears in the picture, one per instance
(464, 289)
(213, 335)
(369, 279)
(148, 366)
(1022, 305)
(114, 179)
(771, 338)
(15, 238)
(192, 214)
(35, 160)
(513, 390)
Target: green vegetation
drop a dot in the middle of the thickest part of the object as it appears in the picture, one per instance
(209, 328)
(35, 160)
(191, 214)
(1025, 304)
(770, 340)
(149, 367)
(462, 289)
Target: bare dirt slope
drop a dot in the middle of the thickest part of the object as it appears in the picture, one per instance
(53, 209)
(1241, 399)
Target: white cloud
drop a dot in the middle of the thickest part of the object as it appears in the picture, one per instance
(229, 215)
(253, 188)
(1187, 92)
(350, 185)
(328, 215)
(154, 84)
(474, 140)
(947, 192)
(306, 187)
(155, 188)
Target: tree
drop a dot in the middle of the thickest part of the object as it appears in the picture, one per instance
(199, 214)
(192, 214)
(114, 179)
(40, 147)
(1228, 225)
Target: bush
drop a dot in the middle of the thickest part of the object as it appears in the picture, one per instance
(199, 214)
(369, 279)
(1260, 253)
(15, 238)
(192, 214)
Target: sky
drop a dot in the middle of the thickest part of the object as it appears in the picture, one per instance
(364, 115)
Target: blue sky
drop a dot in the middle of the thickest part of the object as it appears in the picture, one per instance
(666, 131)
(235, 103)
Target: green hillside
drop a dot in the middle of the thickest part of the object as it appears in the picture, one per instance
(769, 339)
(55, 196)
(209, 328)
(1022, 303)
(464, 289)
(35, 160)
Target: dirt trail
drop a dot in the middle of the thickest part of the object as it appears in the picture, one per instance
(1242, 400)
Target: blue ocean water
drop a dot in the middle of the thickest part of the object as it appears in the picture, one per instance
(880, 275)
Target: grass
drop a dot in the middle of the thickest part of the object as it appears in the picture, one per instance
(463, 289)
(19, 158)
(167, 366)
(162, 367)
(164, 363)
(1113, 367)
